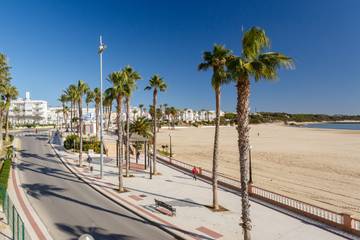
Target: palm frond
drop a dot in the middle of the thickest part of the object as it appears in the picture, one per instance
(254, 40)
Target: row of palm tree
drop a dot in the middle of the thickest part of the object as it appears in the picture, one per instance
(255, 63)
(8, 92)
(123, 84)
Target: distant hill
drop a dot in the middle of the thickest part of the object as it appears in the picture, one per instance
(268, 117)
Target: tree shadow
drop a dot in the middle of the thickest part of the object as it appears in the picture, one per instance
(51, 172)
(174, 200)
(96, 232)
(39, 190)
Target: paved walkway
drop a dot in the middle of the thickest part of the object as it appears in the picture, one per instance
(193, 220)
(5, 231)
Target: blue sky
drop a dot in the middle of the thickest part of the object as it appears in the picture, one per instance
(52, 44)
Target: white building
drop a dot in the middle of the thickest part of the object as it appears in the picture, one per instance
(27, 110)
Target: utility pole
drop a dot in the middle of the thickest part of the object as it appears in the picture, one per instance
(101, 50)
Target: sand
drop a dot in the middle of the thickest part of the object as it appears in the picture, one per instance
(318, 166)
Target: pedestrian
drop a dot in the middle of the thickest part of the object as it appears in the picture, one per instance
(194, 172)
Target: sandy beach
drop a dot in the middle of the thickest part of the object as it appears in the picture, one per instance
(318, 166)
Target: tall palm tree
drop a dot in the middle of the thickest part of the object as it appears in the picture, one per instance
(156, 83)
(82, 89)
(71, 93)
(64, 99)
(97, 100)
(4, 80)
(11, 93)
(90, 96)
(130, 77)
(108, 101)
(216, 60)
(117, 89)
(141, 106)
(256, 63)
(16, 111)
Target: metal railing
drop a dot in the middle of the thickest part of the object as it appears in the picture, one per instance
(14, 220)
(299, 205)
(355, 224)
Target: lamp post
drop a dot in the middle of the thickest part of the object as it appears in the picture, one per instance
(170, 146)
(101, 50)
(250, 167)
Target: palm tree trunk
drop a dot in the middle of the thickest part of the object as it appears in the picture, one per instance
(127, 150)
(87, 108)
(120, 142)
(216, 152)
(97, 120)
(7, 123)
(80, 131)
(71, 115)
(109, 117)
(154, 131)
(242, 108)
(64, 119)
(1, 128)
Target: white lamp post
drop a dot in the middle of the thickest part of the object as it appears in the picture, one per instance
(101, 50)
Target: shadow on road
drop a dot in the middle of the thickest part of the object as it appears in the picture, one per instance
(39, 190)
(96, 232)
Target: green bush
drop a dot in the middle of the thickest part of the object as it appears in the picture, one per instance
(69, 141)
(5, 172)
(92, 143)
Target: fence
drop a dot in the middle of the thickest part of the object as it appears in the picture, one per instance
(14, 220)
(338, 220)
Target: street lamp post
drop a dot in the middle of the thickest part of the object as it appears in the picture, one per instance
(170, 146)
(250, 167)
(101, 50)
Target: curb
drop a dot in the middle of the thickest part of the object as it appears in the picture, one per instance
(125, 204)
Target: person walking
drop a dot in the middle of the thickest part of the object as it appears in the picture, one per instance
(194, 172)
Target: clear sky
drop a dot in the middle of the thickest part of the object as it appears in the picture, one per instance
(52, 44)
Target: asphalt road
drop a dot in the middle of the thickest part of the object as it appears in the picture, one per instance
(69, 207)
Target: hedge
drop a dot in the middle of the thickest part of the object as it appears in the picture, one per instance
(4, 173)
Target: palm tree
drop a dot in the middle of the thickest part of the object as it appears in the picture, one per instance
(82, 89)
(173, 113)
(141, 106)
(131, 77)
(156, 83)
(256, 63)
(97, 100)
(16, 111)
(10, 94)
(64, 99)
(141, 126)
(71, 92)
(216, 60)
(108, 101)
(90, 96)
(4, 80)
(117, 80)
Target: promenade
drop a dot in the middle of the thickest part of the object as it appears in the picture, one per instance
(193, 220)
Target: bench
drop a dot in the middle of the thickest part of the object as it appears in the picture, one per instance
(159, 203)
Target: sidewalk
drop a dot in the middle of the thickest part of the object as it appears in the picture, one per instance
(193, 220)
(5, 231)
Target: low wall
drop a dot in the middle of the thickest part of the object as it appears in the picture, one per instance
(341, 221)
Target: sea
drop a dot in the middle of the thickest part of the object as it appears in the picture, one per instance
(335, 125)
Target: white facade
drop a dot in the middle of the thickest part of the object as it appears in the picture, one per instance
(26, 110)
(189, 115)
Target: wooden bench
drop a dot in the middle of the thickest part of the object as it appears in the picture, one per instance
(159, 203)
